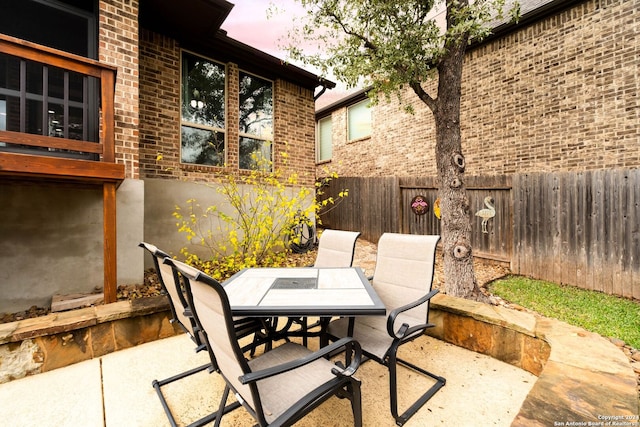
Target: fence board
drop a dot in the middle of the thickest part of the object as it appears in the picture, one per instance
(634, 221)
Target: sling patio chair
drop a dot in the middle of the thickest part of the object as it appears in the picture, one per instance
(336, 248)
(280, 386)
(170, 281)
(402, 278)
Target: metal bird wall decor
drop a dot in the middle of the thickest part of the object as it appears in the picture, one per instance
(488, 213)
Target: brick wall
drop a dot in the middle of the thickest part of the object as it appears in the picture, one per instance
(558, 95)
(118, 46)
(294, 126)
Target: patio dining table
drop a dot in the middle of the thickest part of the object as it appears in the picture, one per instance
(302, 291)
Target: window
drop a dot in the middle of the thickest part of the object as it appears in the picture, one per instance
(324, 147)
(45, 100)
(42, 99)
(68, 25)
(256, 122)
(203, 111)
(359, 120)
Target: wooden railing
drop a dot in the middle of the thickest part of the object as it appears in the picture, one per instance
(36, 165)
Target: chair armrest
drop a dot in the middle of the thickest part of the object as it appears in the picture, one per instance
(324, 351)
(404, 329)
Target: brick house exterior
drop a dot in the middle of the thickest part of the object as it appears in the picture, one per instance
(142, 42)
(557, 92)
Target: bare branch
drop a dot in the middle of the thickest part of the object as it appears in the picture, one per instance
(423, 95)
(367, 43)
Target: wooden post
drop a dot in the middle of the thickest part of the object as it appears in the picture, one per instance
(110, 237)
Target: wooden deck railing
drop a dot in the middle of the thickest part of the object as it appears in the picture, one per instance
(104, 169)
(38, 164)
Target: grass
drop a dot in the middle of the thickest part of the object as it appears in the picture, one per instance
(607, 315)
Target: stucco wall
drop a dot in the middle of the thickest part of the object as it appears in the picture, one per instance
(558, 95)
(52, 241)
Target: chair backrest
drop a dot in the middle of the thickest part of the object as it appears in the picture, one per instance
(404, 272)
(212, 312)
(170, 282)
(336, 248)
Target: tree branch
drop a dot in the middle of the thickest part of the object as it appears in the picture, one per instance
(366, 41)
(423, 95)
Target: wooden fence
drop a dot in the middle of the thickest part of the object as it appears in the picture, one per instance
(378, 205)
(579, 228)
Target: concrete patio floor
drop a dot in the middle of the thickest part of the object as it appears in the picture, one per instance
(115, 390)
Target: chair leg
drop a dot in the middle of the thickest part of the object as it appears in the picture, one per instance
(217, 416)
(356, 402)
(393, 389)
(223, 401)
(158, 384)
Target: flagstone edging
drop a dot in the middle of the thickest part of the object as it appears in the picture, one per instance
(583, 378)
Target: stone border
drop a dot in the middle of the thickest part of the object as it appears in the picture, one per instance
(41, 344)
(582, 377)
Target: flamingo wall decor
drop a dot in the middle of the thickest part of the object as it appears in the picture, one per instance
(487, 213)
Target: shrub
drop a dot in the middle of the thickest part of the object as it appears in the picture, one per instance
(252, 227)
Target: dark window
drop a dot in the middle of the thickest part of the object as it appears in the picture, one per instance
(203, 111)
(256, 122)
(64, 25)
(40, 99)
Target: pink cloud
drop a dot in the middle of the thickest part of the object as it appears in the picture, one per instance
(249, 23)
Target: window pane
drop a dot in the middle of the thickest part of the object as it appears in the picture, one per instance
(255, 154)
(3, 114)
(34, 117)
(359, 120)
(203, 84)
(256, 106)
(324, 139)
(11, 113)
(76, 87)
(10, 76)
(202, 147)
(76, 124)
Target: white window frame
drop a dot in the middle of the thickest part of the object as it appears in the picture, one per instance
(321, 140)
(364, 121)
(199, 126)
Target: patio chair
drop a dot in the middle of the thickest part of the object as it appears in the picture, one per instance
(181, 315)
(280, 386)
(336, 248)
(402, 278)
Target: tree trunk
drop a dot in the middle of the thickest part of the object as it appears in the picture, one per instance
(459, 276)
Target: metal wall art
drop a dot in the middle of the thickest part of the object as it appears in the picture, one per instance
(419, 205)
(487, 213)
(436, 208)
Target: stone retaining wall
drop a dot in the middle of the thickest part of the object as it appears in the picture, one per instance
(41, 344)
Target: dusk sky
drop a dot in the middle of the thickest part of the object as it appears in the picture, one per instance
(249, 23)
